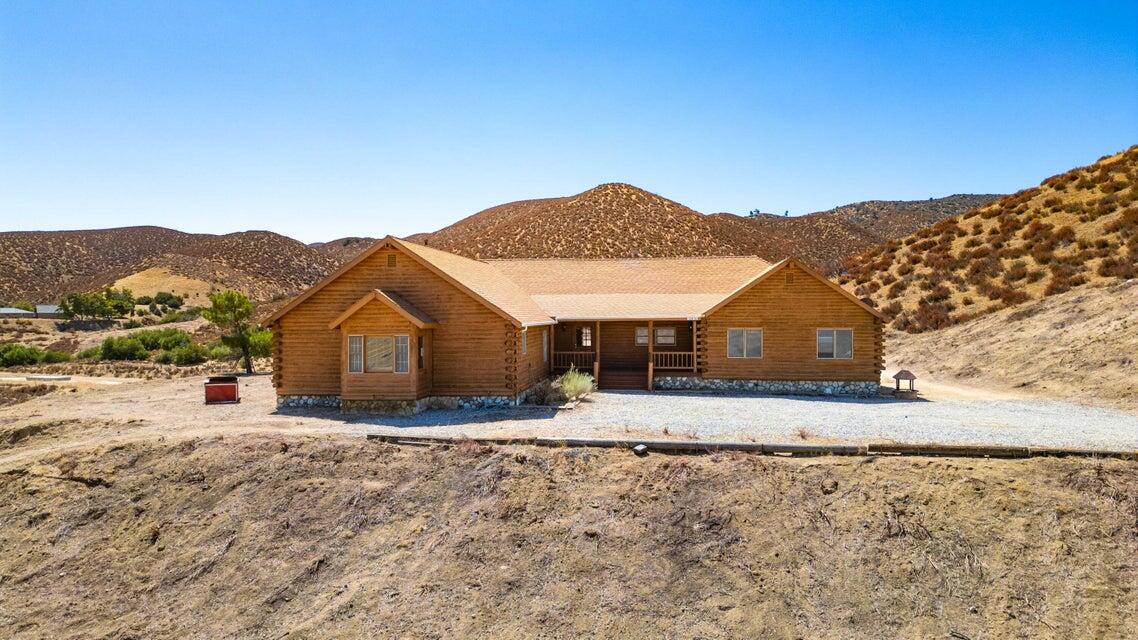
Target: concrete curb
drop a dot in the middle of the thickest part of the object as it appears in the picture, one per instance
(791, 449)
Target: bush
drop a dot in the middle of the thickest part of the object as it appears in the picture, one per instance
(165, 339)
(14, 355)
(575, 384)
(124, 348)
(143, 300)
(543, 393)
(93, 353)
(180, 315)
(163, 357)
(51, 356)
(188, 355)
(220, 352)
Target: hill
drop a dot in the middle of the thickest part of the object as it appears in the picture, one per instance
(1076, 228)
(1077, 345)
(622, 221)
(343, 249)
(44, 265)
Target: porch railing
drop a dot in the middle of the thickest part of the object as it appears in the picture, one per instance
(673, 359)
(580, 359)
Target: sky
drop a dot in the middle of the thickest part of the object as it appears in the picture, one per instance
(328, 119)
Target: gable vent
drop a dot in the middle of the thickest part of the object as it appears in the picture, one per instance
(788, 279)
(391, 259)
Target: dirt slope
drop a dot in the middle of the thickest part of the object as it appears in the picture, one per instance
(1076, 228)
(1079, 344)
(620, 221)
(292, 537)
(342, 249)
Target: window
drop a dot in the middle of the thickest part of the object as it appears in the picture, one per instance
(666, 335)
(421, 352)
(355, 354)
(641, 336)
(585, 337)
(744, 343)
(525, 339)
(402, 355)
(545, 345)
(835, 344)
(380, 353)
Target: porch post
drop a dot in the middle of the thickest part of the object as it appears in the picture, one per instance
(597, 353)
(651, 352)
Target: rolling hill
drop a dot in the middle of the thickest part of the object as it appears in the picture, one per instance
(1074, 229)
(44, 265)
(622, 221)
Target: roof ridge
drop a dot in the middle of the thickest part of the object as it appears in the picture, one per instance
(647, 258)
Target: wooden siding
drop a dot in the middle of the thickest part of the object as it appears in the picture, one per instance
(789, 311)
(468, 345)
(375, 319)
(531, 368)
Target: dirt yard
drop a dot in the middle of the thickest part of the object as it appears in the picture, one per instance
(291, 536)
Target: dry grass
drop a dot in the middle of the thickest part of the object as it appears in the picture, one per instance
(262, 536)
(1076, 229)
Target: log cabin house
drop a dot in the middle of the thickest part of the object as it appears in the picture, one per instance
(403, 327)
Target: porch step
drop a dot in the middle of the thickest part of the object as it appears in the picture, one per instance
(623, 379)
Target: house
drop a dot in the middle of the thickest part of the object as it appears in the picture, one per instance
(404, 327)
(48, 311)
(15, 312)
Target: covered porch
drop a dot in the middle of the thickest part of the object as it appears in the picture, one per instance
(626, 354)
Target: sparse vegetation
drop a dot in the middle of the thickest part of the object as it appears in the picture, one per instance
(574, 384)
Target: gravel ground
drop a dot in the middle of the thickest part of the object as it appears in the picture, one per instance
(779, 419)
(86, 411)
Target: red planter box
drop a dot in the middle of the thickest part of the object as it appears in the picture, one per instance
(222, 390)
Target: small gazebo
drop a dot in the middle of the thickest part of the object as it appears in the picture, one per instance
(905, 374)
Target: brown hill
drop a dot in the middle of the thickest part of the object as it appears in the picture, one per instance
(622, 221)
(46, 265)
(1076, 228)
(343, 249)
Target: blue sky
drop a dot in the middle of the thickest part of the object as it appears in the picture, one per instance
(325, 119)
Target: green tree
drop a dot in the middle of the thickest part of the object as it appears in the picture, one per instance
(119, 301)
(24, 304)
(232, 312)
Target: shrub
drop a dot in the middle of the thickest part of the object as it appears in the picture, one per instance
(143, 300)
(892, 309)
(1016, 271)
(189, 354)
(575, 384)
(932, 316)
(14, 355)
(93, 353)
(1011, 297)
(261, 343)
(123, 348)
(51, 356)
(220, 352)
(181, 315)
(163, 357)
(939, 294)
(543, 393)
(165, 339)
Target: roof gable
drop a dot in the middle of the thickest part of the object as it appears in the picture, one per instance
(392, 300)
(782, 265)
(477, 279)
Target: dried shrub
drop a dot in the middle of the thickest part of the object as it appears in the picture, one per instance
(1016, 271)
(932, 316)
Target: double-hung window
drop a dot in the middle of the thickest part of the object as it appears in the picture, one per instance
(402, 354)
(835, 344)
(642, 336)
(355, 354)
(666, 336)
(744, 343)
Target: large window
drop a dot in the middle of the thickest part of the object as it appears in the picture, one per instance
(666, 336)
(355, 354)
(744, 343)
(402, 354)
(585, 337)
(835, 344)
(380, 354)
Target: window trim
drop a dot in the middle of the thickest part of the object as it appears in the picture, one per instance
(834, 337)
(525, 339)
(656, 336)
(363, 352)
(395, 353)
(762, 343)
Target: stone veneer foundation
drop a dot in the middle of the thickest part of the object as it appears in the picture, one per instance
(403, 407)
(773, 387)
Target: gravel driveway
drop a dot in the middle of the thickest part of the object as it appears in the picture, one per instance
(779, 419)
